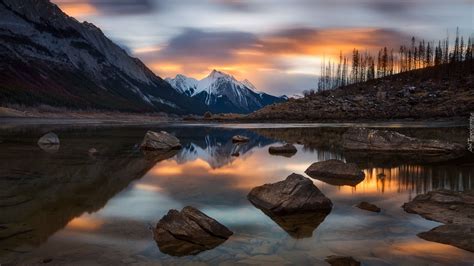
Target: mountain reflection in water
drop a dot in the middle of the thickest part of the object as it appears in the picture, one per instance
(111, 199)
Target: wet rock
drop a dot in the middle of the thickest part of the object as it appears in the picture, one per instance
(240, 139)
(49, 142)
(287, 150)
(295, 194)
(235, 154)
(458, 235)
(189, 232)
(336, 172)
(49, 139)
(160, 141)
(368, 206)
(453, 208)
(390, 141)
(342, 261)
(444, 206)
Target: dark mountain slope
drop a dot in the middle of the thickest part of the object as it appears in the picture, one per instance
(435, 92)
(50, 58)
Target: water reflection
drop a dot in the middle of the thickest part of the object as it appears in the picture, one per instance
(111, 199)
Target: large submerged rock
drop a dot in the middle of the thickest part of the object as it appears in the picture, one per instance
(336, 172)
(286, 150)
(295, 194)
(444, 206)
(160, 141)
(367, 139)
(189, 232)
(458, 235)
(455, 209)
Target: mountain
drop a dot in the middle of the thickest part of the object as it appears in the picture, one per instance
(223, 93)
(444, 91)
(49, 58)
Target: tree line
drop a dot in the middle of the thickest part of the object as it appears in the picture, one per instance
(363, 66)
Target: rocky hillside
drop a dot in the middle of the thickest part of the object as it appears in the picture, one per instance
(435, 92)
(49, 58)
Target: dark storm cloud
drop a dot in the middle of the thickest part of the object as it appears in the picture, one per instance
(210, 45)
(390, 7)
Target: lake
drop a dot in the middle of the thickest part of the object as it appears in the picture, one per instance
(65, 206)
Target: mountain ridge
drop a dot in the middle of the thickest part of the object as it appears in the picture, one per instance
(50, 58)
(223, 93)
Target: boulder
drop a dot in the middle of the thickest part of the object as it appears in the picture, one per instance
(366, 139)
(239, 139)
(295, 194)
(461, 236)
(287, 150)
(342, 261)
(444, 206)
(160, 141)
(189, 232)
(336, 172)
(368, 207)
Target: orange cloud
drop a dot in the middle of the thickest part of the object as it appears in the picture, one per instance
(78, 9)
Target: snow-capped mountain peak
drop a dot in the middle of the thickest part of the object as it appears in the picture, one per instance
(223, 92)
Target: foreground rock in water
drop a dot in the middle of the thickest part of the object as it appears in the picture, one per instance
(287, 150)
(444, 206)
(336, 172)
(189, 232)
(295, 204)
(296, 194)
(342, 261)
(368, 207)
(458, 235)
(390, 141)
(239, 139)
(455, 209)
(160, 141)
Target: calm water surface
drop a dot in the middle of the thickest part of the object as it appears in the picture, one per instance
(67, 207)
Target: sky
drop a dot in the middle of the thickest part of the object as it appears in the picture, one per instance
(278, 45)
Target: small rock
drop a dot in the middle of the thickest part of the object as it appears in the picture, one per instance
(49, 139)
(47, 260)
(160, 141)
(453, 207)
(336, 172)
(239, 139)
(286, 150)
(342, 261)
(235, 154)
(368, 206)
